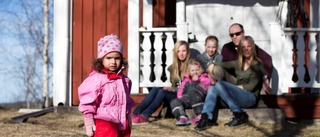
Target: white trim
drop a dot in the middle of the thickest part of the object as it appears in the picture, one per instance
(133, 44)
(147, 13)
(70, 52)
(283, 9)
(182, 31)
(180, 11)
(182, 25)
(60, 52)
(314, 13)
(276, 46)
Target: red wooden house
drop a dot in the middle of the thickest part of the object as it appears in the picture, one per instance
(287, 30)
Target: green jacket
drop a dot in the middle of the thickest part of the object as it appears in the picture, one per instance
(250, 79)
(174, 84)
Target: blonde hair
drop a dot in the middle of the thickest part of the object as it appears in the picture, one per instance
(254, 58)
(179, 68)
(195, 62)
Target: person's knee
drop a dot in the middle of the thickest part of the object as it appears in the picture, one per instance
(175, 102)
(155, 90)
(160, 94)
(218, 73)
(160, 90)
(218, 85)
(197, 108)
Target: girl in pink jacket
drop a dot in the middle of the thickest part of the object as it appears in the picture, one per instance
(191, 94)
(105, 94)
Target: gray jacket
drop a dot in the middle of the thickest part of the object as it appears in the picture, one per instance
(205, 60)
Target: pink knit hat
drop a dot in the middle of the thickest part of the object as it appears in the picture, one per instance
(107, 44)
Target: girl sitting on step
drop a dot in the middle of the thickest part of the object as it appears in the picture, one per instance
(190, 94)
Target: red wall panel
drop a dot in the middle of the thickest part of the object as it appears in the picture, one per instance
(93, 19)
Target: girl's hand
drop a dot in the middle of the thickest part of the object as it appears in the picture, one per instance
(210, 69)
(168, 89)
(195, 77)
(90, 126)
(213, 81)
(266, 87)
(212, 78)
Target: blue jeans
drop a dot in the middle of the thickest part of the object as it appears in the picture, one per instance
(153, 100)
(235, 97)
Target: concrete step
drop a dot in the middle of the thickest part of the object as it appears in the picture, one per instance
(260, 115)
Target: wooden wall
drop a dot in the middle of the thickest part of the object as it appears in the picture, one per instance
(164, 13)
(93, 19)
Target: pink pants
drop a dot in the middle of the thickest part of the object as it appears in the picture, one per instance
(109, 129)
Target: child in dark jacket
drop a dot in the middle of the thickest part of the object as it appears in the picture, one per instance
(191, 94)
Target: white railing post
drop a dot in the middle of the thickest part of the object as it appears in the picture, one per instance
(318, 55)
(157, 56)
(147, 13)
(311, 61)
(133, 44)
(287, 62)
(182, 31)
(182, 25)
(169, 52)
(61, 55)
(145, 67)
(300, 58)
(313, 53)
(180, 11)
(158, 52)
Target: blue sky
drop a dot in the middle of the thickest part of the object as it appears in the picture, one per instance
(14, 42)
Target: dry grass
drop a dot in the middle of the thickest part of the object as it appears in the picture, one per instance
(71, 125)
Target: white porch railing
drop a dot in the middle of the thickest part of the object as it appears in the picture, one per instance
(296, 62)
(156, 51)
(295, 58)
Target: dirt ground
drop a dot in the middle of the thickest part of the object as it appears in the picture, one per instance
(71, 125)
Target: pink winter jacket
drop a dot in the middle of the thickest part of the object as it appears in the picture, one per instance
(106, 99)
(204, 82)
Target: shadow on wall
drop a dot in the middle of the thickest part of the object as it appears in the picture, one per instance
(274, 81)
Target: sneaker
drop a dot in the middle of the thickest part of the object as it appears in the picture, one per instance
(183, 121)
(135, 118)
(196, 119)
(139, 119)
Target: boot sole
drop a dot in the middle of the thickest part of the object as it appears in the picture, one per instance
(200, 129)
(237, 125)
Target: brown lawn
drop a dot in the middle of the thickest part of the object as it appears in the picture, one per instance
(71, 125)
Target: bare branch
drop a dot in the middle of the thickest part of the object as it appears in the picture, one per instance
(23, 25)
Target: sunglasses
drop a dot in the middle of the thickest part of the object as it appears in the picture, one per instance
(237, 34)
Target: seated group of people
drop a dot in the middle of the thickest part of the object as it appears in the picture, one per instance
(232, 79)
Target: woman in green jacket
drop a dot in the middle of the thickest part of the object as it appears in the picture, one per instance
(243, 94)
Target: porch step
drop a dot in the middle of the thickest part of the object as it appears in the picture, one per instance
(260, 115)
